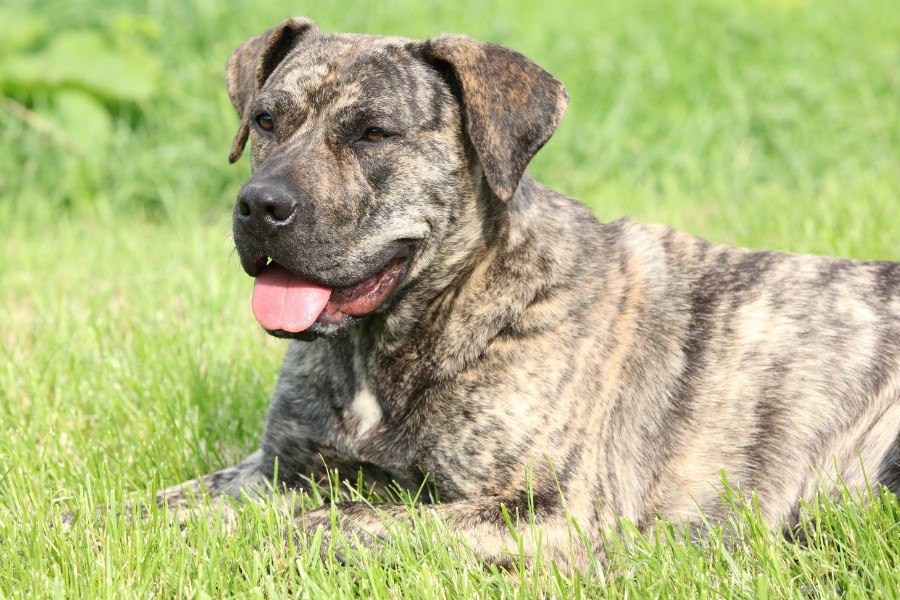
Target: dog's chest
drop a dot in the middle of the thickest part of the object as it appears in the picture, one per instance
(363, 414)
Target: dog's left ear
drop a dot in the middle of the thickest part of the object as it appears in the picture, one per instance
(250, 65)
(511, 105)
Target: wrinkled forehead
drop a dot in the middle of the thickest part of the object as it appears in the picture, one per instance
(354, 68)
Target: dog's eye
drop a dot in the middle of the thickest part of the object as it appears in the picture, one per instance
(265, 121)
(374, 134)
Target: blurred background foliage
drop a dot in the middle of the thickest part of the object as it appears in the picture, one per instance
(745, 121)
(77, 81)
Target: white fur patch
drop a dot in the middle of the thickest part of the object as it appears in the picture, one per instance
(366, 409)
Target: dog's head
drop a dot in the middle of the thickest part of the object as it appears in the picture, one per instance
(365, 152)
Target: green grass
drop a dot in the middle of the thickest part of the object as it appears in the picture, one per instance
(130, 360)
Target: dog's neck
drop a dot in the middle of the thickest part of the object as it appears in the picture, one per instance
(457, 309)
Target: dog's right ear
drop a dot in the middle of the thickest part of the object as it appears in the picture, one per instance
(250, 65)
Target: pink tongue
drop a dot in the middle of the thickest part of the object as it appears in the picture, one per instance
(282, 300)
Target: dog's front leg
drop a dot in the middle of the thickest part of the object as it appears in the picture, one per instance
(250, 477)
(501, 531)
(259, 475)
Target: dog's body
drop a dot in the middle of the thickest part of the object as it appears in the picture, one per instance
(504, 330)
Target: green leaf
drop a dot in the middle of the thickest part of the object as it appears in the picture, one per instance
(83, 118)
(19, 29)
(85, 59)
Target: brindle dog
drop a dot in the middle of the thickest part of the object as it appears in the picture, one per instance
(455, 318)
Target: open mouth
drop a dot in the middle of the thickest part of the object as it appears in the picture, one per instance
(282, 300)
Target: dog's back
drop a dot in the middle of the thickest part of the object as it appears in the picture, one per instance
(670, 360)
(783, 370)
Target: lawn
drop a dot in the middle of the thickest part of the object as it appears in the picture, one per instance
(130, 360)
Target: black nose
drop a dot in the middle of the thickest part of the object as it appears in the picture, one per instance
(264, 205)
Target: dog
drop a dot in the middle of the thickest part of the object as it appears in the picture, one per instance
(456, 321)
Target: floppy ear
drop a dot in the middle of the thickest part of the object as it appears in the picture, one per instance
(511, 105)
(251, 64)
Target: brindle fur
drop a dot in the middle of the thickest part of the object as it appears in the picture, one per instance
(636, 360)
